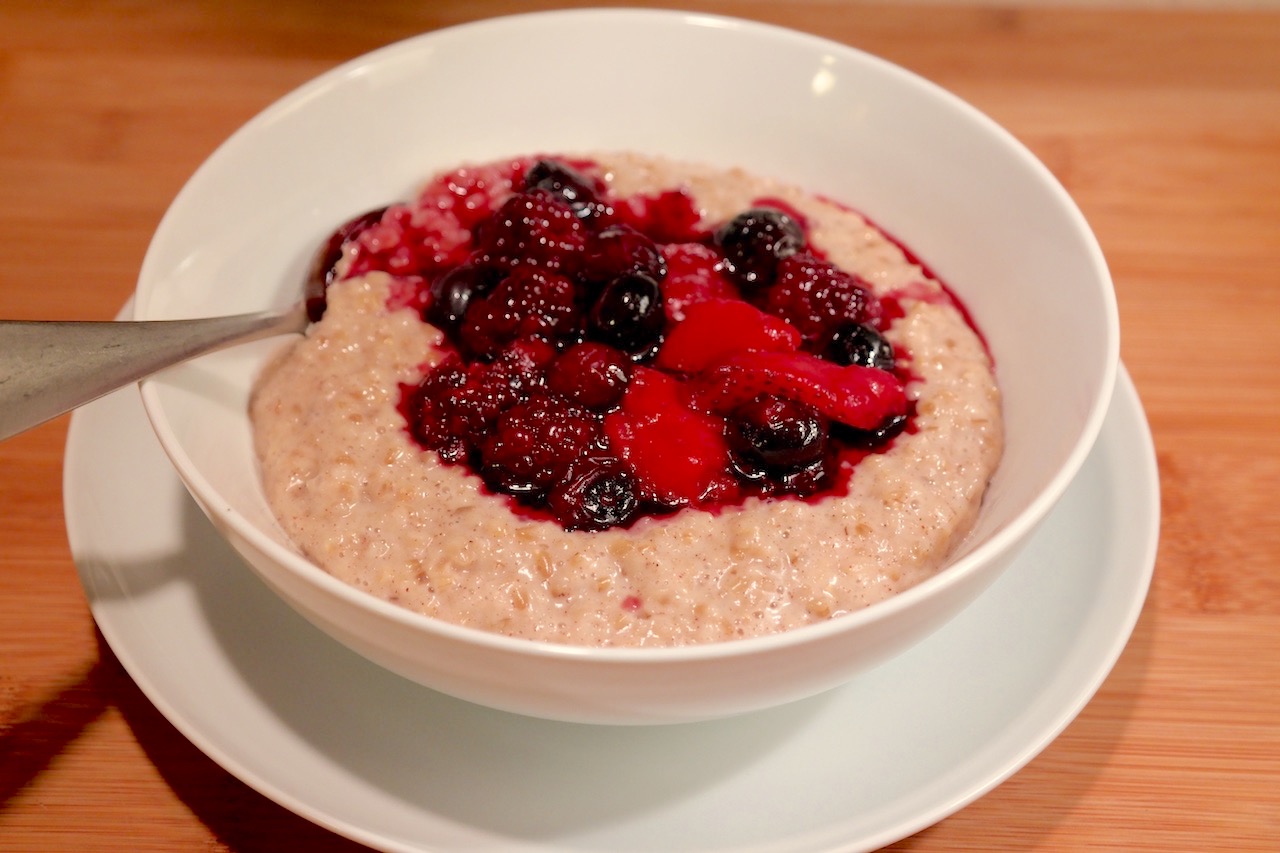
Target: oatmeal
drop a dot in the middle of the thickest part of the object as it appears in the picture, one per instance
(726, 476)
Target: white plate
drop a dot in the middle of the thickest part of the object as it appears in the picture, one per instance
(398, 767)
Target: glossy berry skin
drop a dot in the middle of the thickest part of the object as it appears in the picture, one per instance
(608, 358)
(451, 293)
(780, 434)
(433, 419)
(532, 445)
(859, 343)
(620, 250)
(871, 439)
(715, 329)
(816, 296)
(595, 494)
(534, 228)
(628, 314)
(528, 302)
(755, 241)
(591, 374)
(575, 189)
(324, 266)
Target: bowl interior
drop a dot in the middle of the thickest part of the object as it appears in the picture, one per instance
(972, 203)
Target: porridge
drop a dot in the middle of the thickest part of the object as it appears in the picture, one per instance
(622, 400)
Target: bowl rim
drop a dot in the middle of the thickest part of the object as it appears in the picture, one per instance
(951, 574)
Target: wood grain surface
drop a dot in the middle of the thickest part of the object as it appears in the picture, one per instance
(1163, 124)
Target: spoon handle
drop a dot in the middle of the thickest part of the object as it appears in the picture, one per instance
(48, 367)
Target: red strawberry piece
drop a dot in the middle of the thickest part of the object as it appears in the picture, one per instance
(694, 274)
(678, 456)
(861, 397)
(621, 250)
(717, 328)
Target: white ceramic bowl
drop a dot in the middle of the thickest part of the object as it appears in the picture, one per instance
(961, 192)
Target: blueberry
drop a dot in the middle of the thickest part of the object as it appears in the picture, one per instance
(574, 188)
(779, 434)
(600, 495)
(860, 344)
(754, 241)
(628, 314)
(451, 293)
(871, 439)
(811, 478)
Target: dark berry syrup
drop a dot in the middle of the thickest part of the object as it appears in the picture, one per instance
(612, 358)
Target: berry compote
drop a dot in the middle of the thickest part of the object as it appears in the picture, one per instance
(611, 358)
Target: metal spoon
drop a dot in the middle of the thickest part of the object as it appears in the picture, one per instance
(48, 367)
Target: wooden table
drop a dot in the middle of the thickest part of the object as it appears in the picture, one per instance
(1164, 125)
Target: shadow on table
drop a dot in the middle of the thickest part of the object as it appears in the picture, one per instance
(40, 732)
(238, 816)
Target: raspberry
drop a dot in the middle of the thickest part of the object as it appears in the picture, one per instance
(619, 250)
(532, 228)
(527, 303)
(470, 194)
(532, 445)
(455, 404)
(410, 240)
(815, 295)
(590, 374)
(432, 419)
